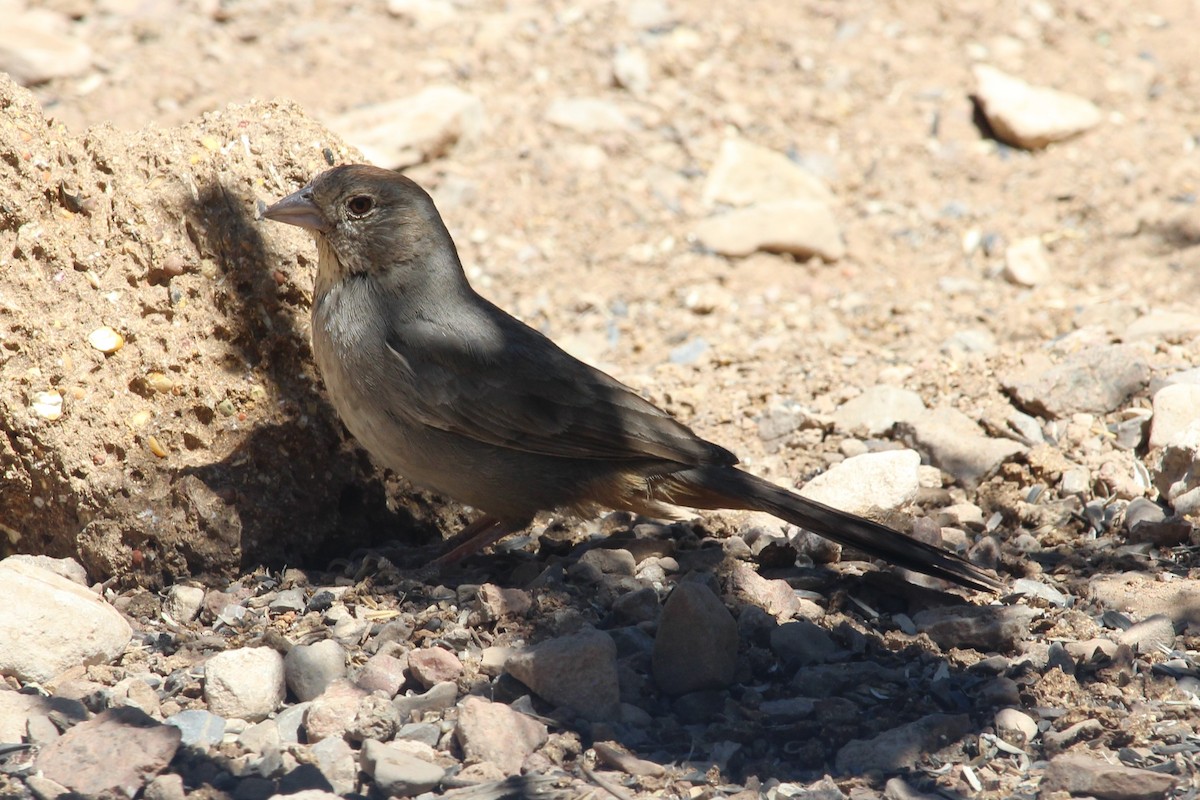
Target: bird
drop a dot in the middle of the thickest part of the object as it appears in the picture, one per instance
(450, 391)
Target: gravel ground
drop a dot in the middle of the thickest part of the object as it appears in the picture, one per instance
(931, 262)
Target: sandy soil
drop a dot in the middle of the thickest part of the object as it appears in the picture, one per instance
(204, 446)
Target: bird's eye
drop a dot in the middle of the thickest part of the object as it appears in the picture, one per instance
(359, 205)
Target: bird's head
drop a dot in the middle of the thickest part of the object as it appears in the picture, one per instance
(375, 221)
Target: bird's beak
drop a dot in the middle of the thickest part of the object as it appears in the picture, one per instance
(299, 209)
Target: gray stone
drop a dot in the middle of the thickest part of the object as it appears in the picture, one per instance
(1057, 741)
(1094, 380)
(67, 568)
(985, 628)
(1015, 726)
(650, 15)
(183, 603)
(396, 773)
(696, 643)
(496, 602)
(35, 47)
(1029, 587)
(289, 600)
(424, 732)
(956, 444)
(610, 561)
(1026, 263)
(261, 737)
(198, 728)
(165, 787)
(374, 718)
(788, 708)
(1162, 325)
(578, 672)
(1150, 635)
(588, 115)
(631, 70)
(43, 788)
(335, 759)
(1176, 410)
(899, 789)
(290, 721)
(824, 789)
(16, 709)
(309, 668)
(424, 14)
(777, 597)
(1076, 480)
(901, 748)
(802, 642)
(40, 730)
(969, 341)
(640, 605)
(438, 698)
(830, 680)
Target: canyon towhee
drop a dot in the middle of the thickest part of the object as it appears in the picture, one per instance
(455, 394)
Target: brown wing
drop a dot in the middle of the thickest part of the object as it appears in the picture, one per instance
(500, 382)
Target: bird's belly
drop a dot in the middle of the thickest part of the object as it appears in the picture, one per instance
(370, 394)
(495, 480)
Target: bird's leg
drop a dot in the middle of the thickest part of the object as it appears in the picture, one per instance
(474, 537)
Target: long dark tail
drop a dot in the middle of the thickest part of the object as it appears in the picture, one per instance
(729, 487)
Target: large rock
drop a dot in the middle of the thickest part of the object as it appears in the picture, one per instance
(50, 623)
(110, 755)
(188, 449)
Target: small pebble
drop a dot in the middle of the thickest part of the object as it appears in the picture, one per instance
(47, 405)
(106, 340)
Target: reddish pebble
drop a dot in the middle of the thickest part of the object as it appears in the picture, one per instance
(433, 665)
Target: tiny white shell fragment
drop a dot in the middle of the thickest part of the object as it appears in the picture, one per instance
(106, 340)
(47, 405)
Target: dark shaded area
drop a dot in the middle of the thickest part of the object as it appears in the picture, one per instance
(867, 688)
(297, 492)
(1175, 234)
(980, 121)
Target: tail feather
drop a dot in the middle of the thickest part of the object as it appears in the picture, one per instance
(729, 487)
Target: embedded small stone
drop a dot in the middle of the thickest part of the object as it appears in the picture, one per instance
(106, 340)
